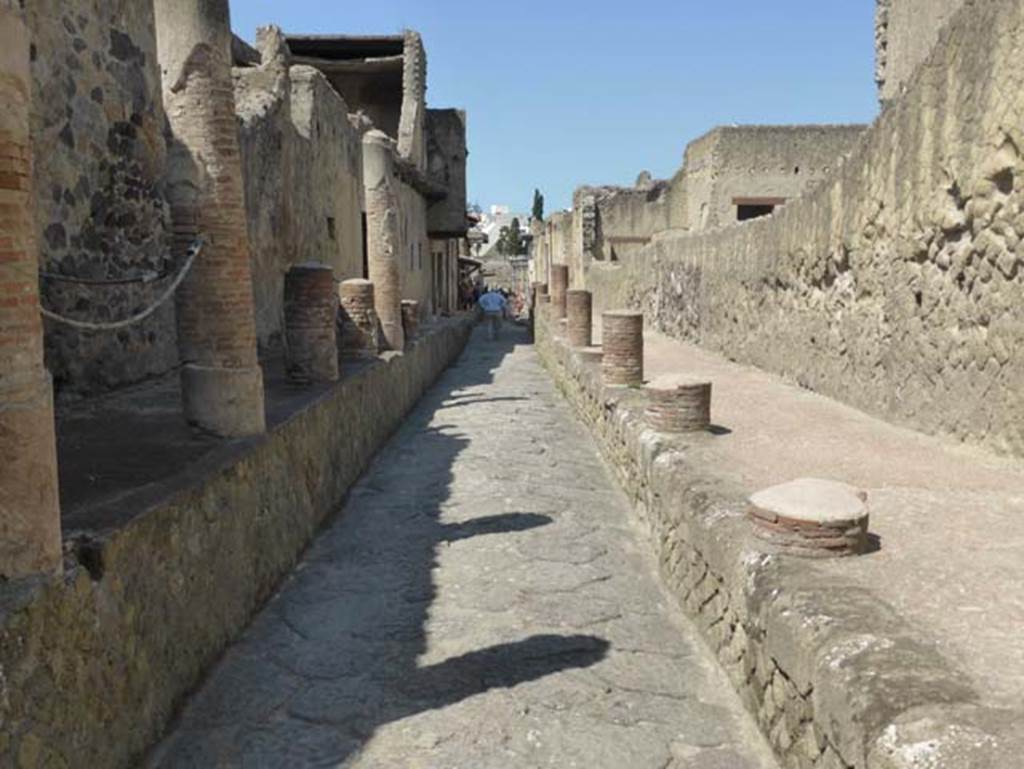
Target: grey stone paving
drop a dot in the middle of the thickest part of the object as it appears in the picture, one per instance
(483, 601)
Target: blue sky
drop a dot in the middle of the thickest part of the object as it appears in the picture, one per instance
(568, 92)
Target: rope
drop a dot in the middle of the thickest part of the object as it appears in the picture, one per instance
(194, 250)
(146, 277)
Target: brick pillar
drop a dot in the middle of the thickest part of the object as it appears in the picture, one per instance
(310, 318)
(410, 318)
(579, 314)
(559, 285)
(30, 538)
(678, 404)
(360, 327)
(222, 385)
(622, 339)
(383, 243)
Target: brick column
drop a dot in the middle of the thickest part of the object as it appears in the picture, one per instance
(360, 328)
(622, 340)
(222, 385)
(310, 323)
(30, 539)
(579, 313)
(678, 404)
(383, 243)
(559, 285)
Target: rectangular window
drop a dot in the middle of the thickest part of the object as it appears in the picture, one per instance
(753, 208)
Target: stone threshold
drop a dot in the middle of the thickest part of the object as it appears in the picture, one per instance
(834, 676)
(94, 665)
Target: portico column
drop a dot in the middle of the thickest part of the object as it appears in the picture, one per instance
(222, 385)
(383, 244)
(30, 538)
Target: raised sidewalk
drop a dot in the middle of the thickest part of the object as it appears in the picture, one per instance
(909, 655)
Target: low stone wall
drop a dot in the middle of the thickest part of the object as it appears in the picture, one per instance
(834, 677)
(93, 666)
(893, 285)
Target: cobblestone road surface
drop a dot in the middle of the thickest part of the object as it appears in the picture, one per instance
(482, 602)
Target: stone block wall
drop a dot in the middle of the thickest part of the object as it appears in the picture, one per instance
(832, 675)
(95, 664)
(893, 285)
(100, 156)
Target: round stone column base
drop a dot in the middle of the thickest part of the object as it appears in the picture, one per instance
(812, 518)
(225, 401)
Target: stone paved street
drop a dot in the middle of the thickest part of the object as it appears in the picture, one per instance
(483, 601)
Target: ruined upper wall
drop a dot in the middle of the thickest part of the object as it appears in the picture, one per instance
(98, 135)
(895, 285)
(446, 165)
(302, 165)
(751, 162)
(905, 33)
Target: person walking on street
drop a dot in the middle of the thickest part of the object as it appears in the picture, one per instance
(493, 304)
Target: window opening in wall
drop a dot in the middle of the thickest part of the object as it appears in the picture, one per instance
(332, 228)
(753, 208)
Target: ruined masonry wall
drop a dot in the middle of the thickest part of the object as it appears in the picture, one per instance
(97, 127)
(893, 286)
(95, 666)
(302, 166)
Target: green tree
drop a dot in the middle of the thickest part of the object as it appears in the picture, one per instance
(511, 240)
(538, 206)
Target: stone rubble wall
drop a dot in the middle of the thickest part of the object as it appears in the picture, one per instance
(100, 160)
(94, 665)
(894, 285)
(833, 676)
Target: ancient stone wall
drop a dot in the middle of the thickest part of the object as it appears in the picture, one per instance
(302, 164)
(100, 158)
(416, 277)
(905, 33)
(94, 665)
(446, 165)
(758, 162)
(893, 286)
(623, 219)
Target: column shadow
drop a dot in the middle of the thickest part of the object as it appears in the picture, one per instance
(337, 652)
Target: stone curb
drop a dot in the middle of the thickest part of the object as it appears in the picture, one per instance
(835, 678)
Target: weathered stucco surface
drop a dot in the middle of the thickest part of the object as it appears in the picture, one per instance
(95, 664)
(302, 165)
(905, 33)
(835, 677)
(100, 161)
(894, 285)
(753, 162)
